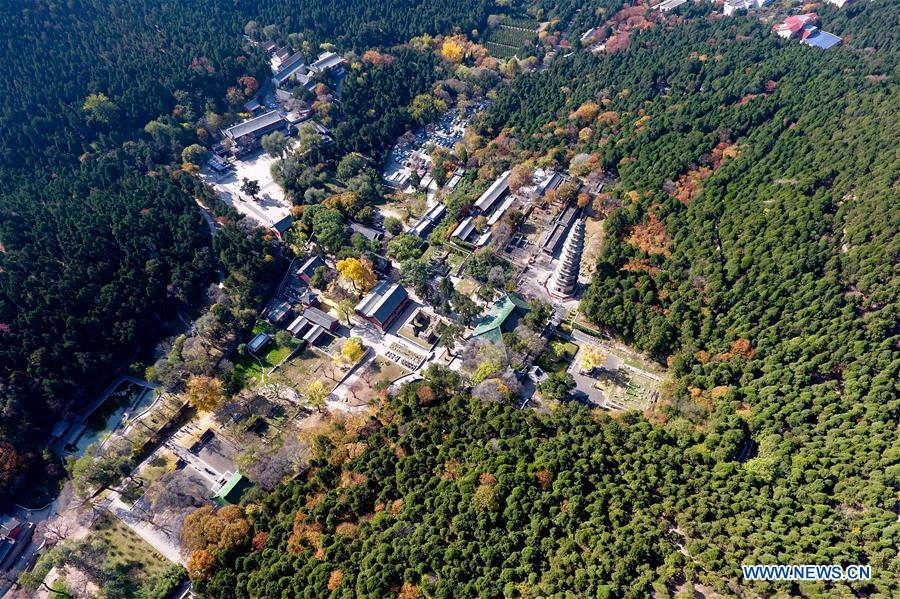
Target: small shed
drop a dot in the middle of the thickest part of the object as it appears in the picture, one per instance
(259, 343)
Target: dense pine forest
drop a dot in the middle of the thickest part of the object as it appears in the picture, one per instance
(138, 53)
(755, 253)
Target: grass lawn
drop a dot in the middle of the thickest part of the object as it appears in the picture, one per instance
(468, 286)
(635, 360)
(249, 368)
(262, 326)
(587, 326)
(432, 252)
(126, 547)
(455, 259)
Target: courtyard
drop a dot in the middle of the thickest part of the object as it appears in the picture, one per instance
(270, 205)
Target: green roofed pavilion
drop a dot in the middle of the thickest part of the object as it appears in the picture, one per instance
(232, 491)
(502, 318)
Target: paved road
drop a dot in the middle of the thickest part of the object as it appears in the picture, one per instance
(37, 516)
(585, 384)
(155, 536)
(378, 343)
(63, 501)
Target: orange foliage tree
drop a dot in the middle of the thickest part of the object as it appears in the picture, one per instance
(11, 466)
(207, 531)
(377, 58)
(201, 564)
(587, 112)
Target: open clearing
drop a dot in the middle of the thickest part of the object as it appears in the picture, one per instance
(270, 205)
(130, 550)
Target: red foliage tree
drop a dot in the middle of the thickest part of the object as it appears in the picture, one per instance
(249, 84)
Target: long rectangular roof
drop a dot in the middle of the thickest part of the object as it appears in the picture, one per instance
(326, 61)
(464, 228)
(255, 124)
(288, 67)
(552, 181)
(428, 220)
(259, 342)
(297, 325)
(822, 39)
(499, 212)
(367, 232)
(381, 302)
(316, 316)
(670, 4)
(290, 62)
(555, 236)
(493, 192)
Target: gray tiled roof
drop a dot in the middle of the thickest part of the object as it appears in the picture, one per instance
(316, 316)
(493, 192)
(381, 302)
(255, 124)
(309, 267)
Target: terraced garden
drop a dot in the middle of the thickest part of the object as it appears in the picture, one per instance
(511, 37)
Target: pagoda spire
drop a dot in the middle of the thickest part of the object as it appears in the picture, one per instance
(564, 278)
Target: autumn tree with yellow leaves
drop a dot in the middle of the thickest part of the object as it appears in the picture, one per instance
(591, 358)
(360, 274)
(452, 49)
(204, 393)
(316, 394)
(585, 113)
(352, 350)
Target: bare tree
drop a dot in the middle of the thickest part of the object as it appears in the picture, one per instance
(55, 529)
(171, 498)
(497, 389)
(271, 464)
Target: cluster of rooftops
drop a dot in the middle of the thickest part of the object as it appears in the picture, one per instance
(380, 307)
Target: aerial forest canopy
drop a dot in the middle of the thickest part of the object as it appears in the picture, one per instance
(750, 244)
(137, 53)
(100, 240)
(754, 252)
